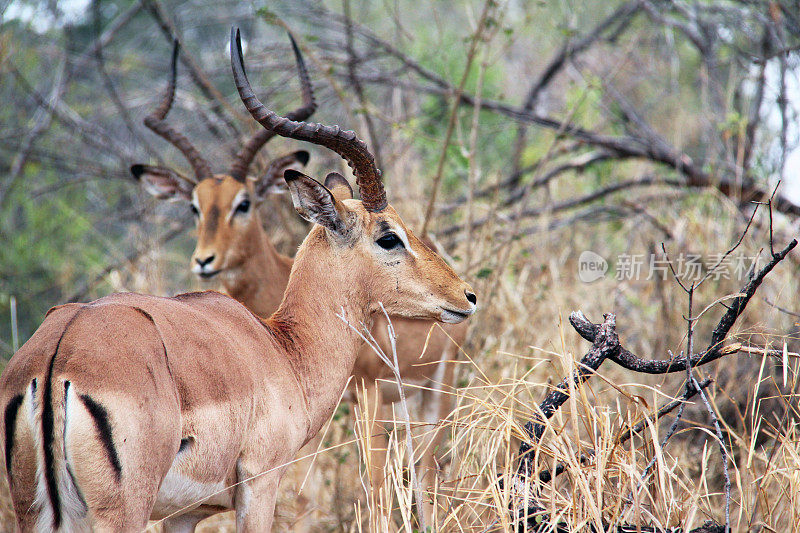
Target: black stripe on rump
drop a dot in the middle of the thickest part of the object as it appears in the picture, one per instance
(48, 433)
(48, 428)
(64, 444)
(103, 426)
(10, 420)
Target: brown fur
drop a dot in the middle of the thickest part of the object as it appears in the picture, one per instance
(247, 392)
(252, 271)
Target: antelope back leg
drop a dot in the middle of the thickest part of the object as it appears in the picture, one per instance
(255, 500)
(119, 451)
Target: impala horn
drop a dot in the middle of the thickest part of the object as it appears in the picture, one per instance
(155, 121)
(244, 158)
(344, 143)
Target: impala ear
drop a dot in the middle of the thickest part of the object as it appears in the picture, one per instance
(271, 182)
(339, 186)
(315, 203)
(163, 183)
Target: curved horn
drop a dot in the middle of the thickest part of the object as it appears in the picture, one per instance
(244, 158)
(155, 121)
(344, 143)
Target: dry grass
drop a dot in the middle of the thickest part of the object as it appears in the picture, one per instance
(519, 346)
(684, 489)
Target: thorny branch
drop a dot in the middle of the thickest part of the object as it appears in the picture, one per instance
(605, 345)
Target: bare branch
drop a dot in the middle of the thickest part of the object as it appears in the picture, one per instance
(352, 62)
(475, 39)
(576, 202)
(108, 83)
(218, 101)
(620, 18)
(715, 349)
(91, 134)
(83, 290)
(41, 121)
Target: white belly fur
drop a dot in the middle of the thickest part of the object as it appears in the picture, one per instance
(179, 494)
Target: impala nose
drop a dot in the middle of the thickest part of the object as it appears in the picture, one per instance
(471, 297)
(203, 262)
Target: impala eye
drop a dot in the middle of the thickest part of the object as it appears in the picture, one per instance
(195, 212)
(389, 241)
(243, 207)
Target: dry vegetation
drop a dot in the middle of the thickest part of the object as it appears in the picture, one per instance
(660, 131)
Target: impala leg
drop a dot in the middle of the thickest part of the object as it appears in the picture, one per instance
(255, 503)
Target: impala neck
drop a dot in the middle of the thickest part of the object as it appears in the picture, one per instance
(259, 283)
(320, 345)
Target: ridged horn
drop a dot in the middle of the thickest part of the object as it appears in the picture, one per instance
(155, 121)
(344, 143)
(244, 158)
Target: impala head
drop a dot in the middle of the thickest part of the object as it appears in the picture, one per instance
(367, 237)
(228, 225)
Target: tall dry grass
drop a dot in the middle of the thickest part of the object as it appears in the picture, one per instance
(520, 345)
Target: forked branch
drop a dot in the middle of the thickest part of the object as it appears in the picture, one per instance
(605, 345)
(714, 351)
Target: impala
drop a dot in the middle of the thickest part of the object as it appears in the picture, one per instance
(135, 407)
(223, 204)
(233, 247)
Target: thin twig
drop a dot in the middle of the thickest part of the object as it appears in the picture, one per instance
(40, 122)
(476, 38)
(352, 61)
(108, 83)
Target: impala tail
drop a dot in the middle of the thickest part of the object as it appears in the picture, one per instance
(57, 495)
(35, 422)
